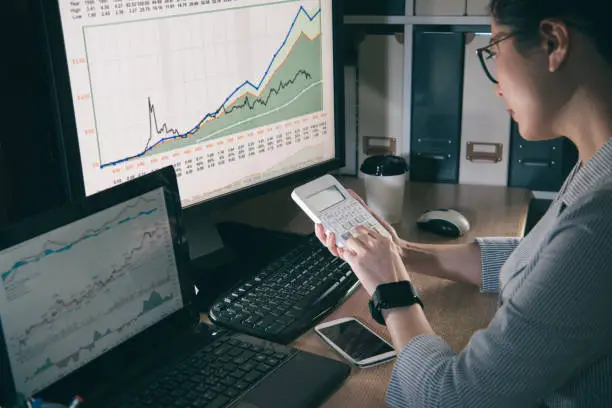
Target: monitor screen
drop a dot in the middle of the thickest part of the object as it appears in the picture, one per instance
(232, 93)
(72, 294)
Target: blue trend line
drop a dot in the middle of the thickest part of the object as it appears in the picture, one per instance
(67, 247)
(214, 114)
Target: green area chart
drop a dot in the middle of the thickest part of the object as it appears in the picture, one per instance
(295, 89)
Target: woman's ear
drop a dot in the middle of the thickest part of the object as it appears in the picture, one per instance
(555, 37)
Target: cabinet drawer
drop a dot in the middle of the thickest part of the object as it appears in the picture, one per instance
(542, 165)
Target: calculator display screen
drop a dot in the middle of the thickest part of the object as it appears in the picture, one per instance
(321, 200)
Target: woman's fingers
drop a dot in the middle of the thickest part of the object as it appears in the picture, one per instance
(382, 222)
(354, 246)
(366, 231)
(362, 241)
(320, 233)
(331, 244)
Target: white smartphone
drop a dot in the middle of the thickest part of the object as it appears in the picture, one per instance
(327, 202)
(354, 341)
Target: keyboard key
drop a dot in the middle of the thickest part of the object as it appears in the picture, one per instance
(254, 347)
(225, 358)
(272, 361)
(218, 388)
(243, 358)
(210, 395)
(232, 393)
(228, 381)
(238, 373)
(253, 376)
(241, 385)
(274, 329)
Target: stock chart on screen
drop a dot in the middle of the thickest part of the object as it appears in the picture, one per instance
(71, 294)
(232, 93)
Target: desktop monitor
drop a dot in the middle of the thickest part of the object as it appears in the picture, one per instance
(240, 96)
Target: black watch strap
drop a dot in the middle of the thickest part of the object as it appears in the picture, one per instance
(392, 295)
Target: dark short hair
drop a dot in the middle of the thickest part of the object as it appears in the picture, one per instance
(591, 17)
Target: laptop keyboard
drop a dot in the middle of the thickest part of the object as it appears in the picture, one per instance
(213, 377)
(288, 295)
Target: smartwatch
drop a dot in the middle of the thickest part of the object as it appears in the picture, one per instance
(392, 295)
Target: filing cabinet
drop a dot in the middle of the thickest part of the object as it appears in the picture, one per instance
(436, 105)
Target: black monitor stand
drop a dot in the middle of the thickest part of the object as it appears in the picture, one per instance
(225, 253)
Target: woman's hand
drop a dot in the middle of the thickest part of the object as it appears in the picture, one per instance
(330, 240)
(375, 259)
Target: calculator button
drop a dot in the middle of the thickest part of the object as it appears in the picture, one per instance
(346, 236)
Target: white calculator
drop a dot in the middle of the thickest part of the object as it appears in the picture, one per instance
(327, 202)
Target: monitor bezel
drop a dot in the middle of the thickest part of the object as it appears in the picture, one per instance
(87, 378)
(67, 132)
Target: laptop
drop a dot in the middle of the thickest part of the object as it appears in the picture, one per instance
(96, 300)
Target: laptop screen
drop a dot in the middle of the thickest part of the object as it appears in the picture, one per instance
(73, 294)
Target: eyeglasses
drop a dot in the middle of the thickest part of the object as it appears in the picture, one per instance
(487, 54)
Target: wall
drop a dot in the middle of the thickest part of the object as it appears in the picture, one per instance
(28, 139)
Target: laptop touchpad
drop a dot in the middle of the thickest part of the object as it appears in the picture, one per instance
(295, 386)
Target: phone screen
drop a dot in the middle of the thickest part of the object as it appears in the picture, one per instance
(356, 341)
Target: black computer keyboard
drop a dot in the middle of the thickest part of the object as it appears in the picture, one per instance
(287, 296)
(213, 377)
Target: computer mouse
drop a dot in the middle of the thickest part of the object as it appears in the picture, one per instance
(445, 222)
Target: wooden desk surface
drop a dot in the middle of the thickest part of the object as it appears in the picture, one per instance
(454, 310)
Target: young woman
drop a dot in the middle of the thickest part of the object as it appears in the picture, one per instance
(550, 342)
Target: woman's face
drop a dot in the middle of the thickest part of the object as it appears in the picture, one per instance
(531, 92)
